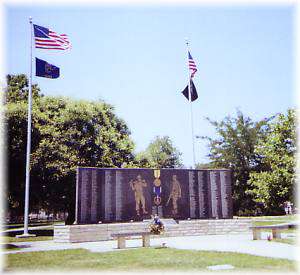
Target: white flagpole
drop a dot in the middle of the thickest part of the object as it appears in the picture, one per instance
(27, 181)
(191, 107)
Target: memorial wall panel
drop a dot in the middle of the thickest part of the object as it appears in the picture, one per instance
(108, 211)
(119, 195)
(213, 194)
(192, 194)
(95, 196)
(203, 204)
(175, 193)
(226, 198)
(136, 187)
(110, 195)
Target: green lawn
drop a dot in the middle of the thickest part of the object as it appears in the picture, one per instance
(289, 230)
(277, 220)
(270, 220)
(282, 219)
(41, 223)
(7, 239)
(141, 259)
(267, 222)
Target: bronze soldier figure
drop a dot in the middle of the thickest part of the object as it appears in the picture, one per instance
(175, 194)
(137, 186)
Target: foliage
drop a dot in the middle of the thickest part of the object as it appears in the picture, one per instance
(204, 166)
(234, 149)
(275, 184)
(65, 134)
(17, 89)
(16, 128)
(160, 153)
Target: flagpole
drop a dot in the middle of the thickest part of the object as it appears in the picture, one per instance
(191, 106)
(27, 180)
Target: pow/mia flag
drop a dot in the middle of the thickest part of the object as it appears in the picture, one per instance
(194, 94)
(44, 69)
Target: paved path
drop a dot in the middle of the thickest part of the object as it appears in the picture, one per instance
(241, 243)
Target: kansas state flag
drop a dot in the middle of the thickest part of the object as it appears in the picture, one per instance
(44, 69)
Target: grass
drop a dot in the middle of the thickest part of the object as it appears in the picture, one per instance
(141, 259)
(7, 239)
(279, 219)
(37, 223)
(266, 222)
(283, 218)
(46, 231)
(289, 230)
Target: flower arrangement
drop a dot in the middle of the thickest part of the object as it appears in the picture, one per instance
(157, 229)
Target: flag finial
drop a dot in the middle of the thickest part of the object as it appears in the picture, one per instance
(186, 41)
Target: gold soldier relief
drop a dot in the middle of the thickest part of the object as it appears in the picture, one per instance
(137, 186)
(175, 194)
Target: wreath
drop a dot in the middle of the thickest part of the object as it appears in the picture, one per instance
(156, 229)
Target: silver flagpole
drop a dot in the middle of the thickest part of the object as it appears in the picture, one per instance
(27, 182)
(191, 106)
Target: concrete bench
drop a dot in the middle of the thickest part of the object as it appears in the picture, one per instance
(276, 230)
(122, 238)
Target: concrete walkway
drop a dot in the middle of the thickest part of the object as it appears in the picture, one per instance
(241, 243)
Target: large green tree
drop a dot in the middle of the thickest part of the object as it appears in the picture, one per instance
(17, 89)
(275, 184)
(65, 134)
(160, 153)
(234, 149)
(16, 129)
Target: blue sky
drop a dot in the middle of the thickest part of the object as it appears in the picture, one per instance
(134, 57)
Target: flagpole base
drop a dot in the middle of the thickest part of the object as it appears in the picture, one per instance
(25, 236)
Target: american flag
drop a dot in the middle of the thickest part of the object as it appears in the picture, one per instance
(192, 65)
(48, 39)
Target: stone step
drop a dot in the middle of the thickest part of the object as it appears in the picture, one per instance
(96, 232)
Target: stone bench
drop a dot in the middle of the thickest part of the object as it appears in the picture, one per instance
(276, 230)
(122, 238)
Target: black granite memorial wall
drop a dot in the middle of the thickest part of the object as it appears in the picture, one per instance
(113, 194)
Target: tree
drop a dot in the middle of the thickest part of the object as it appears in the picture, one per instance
(78, 133)
(275, 184)
(160, 153)
(65, 134)
(16, 95)
(234, 149)
(205, 166)
(17, 89)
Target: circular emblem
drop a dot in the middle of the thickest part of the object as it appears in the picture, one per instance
(157, 182)
(157, 200)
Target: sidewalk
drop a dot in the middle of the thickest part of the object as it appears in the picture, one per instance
(241, 243)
